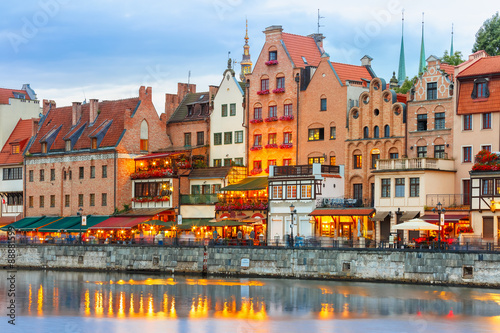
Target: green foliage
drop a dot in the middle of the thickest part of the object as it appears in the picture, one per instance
(454, 60)
(200, 164)
(488, 36)
(406, 86)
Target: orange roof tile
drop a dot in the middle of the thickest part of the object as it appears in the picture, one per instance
(401, 98)
(302, 46)
(351, 72)
(467, 105)
(486, 65)
(449, 69)
(20, 135)
(5, 94)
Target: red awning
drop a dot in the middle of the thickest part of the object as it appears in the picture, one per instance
(342, 212)
(159, 155)
(448, 218)
(120, 222)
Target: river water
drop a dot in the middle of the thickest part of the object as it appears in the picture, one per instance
(53, 301)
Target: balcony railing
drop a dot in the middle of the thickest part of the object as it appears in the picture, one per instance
(341, 203)
(303, 170)
(199, 199)
(449, 201)
(415, 163)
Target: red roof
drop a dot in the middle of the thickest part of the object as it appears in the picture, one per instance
(449, 69)
(120, 222)
(486, 65)
(468, 105)
(351, 72)
(302, 46)
(5, 94)
(19, 136)
(343, 212)
(401, 98)
(159, 155)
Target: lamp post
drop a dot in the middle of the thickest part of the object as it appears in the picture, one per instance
(292, 211)
(176, 211)
(440, 210)
(79, 213)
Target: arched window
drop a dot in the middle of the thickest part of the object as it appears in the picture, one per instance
(366, 132)
(376, 132)
(144, 136)
(387, 131)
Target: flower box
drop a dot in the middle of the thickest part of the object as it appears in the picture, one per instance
(152, 174)
(271, 119)
(255, 171)
(230, 207)
(271, 62)
(254, 148)
(286, 118)
(256, 121)
(278, 90)
(486, 161)
(286, 146)
(151, 199)
(263, 92)
(271, 146)
(266, 170)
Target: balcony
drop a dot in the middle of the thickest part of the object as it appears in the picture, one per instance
(449, 201)
(230, 205)
(415, 163)
(304, 170)
(199, 199)
(341, 203)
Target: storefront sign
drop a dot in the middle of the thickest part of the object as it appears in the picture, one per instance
(84, 220)
(441, 219)
(245, 262)
(179, 219)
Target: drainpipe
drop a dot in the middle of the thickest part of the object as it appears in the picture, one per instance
(247, 121)
(297, 80)
(24, 185)
(114, 182)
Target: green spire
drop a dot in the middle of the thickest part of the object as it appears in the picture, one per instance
(402, 66)
(451, 48)
(421, 64)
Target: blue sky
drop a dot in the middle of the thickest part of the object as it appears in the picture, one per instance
(68, 49)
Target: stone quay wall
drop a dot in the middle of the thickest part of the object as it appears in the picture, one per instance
(404, 266)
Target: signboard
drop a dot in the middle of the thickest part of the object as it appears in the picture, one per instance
(441, 220)
(245, 262)
(84, 219)
(179, 219)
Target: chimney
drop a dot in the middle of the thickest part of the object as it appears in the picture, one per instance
(76, 112)
(318, 38)
(48, 105)
(366, 60)
(34, 127)
(94, 106)
(273, 30)
(145, 94)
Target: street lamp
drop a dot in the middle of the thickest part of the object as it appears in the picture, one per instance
(440, 210)
(292, 211)
(79, 213)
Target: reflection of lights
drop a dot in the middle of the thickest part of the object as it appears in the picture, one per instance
(87, 302)
(131, 309)
(486, 297)
(151, 310)
(55, 298)
(99, 307)
(121, 305)
(345, 311)
(141, 305)
(247, 310)
(110, 304)
(40, 301)
(327, 311)
(30, 298)
(200, 310)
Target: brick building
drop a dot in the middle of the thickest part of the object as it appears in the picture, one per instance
(82, 155)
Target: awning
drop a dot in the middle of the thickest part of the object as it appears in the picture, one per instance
(40, 223)
(248, 184)
(342, 212)
(120, 222)
(92, 220)
(380, 216)
(448, 218)
(60, 225)
(408, 216)
(195, 222)
(22, 223)
(158, 155)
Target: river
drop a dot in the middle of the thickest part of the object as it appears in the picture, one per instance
(55, 301)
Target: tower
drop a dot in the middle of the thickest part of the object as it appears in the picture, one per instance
(451, 48)
(246, 63)
(421, 64)
(402, 66)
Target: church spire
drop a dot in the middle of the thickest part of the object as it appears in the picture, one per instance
(402, 66)
(451, 48)
(246, 63)
(421, 64)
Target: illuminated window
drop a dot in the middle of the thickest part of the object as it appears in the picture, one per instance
(333, 160)
(144, 146)
(357, 161)
(277, 192)
(94, 144)
(257, 140)
(287, 137)
(271, 138)
(287, 161)
(15, 149)
(291, 191)
(306, 192)
(316, 134)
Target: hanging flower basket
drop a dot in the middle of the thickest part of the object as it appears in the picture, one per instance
(151, 199)
(271, 62)
(486, 161)
(263, 92)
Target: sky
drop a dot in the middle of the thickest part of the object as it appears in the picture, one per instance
(72, 50)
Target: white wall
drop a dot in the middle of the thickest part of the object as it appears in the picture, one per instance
(10, 115)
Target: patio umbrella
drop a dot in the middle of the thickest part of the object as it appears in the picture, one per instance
(415, 224)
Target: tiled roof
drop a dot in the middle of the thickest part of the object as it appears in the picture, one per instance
(108, 110)
(449, 69)
(351, 72)
(467, 105)
(21, 135)
(5, 94)
(210, 172)
(301, 46)
(486, 65)
(192, 99)
(401, 98)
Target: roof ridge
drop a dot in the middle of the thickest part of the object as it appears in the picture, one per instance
(287, 33)
(341, 63)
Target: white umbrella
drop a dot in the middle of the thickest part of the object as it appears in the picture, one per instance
(415, 224)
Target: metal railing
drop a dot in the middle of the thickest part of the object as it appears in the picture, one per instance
(415, 163)
(293, 170)
(341, 203)
(449, 201)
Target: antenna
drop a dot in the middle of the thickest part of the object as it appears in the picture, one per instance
(319, 18)
(85, 97)
(402, 19)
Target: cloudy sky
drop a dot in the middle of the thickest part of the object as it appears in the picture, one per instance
(69, 50)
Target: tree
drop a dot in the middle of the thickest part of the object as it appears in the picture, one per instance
(454, 60)
(406, 86)
(488, 36)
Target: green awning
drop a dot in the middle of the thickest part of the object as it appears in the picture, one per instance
(248, 184)
(21, 223)
(40, 223)
(62, 224)
(160, 223)
(189, 223)
(91, 221)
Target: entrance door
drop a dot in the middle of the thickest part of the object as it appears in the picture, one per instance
(385, 228)
(488, 228)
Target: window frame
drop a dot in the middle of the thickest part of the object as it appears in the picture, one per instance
(232, 109)
(200, 138)
(357, 161)
(399, 187)
(238, 137)
(432, 91)
(439, 151)
(223, 112)
(421, 151)
(467, 122)
(440, 120)
(323, 104)
(316, 134)
(218, 139)
(467, 154)
(333, 132)
(415, 187)
(486, 120)
(228, 138)
(385, 191)
(422, 122)
(187, 139)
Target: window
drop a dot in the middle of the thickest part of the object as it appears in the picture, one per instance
(400, 187)
(42, 175)
(357, 162)
(333, 160)
(316, 134)
(52, 174)
(487, 187)
(291, 191)
(271, 138)
(151, 189)
(67, 145)
(14, 173)
(287, 137)
(257, 165)
(15, 149)
(422, 151)
(228, 138)
(333, 133)
(280, 83)
(422, 122)
(467, 122)
(70, 174)
(42, 201)
(376, 132)
(264, 84)
(466, 190)
(288, 109)
(94, 144)
(217, 162)
(439, 151)
(216, 188)
(190, 110)
(200, 138)
(80, 200)
(432, 90)
(439, 120)
(312, 160)
(224, 110)
(232, 109)
(81, 173)
(104, 171)
(386, 188)
(306, 192)
(44, 147)
(467, 154)
(486, 147)
(277, 192)
(323, 104)
(92, 171)
(195, 189)
(52, 201)
(30, 199)
(414, 187)
(238, 137)
(358, 191)
(394, 156)
(273, 55)
(287, 161)
(238, 161)
(257, 140)
(227, 161)
(387, 131)
(257, 113)
(366, 133)
(273, 111)
(66, 200)
(375, 157)
(487, 120)
(187, 139)
(104, 199)
(217, 139)
(144, 136)
(31, 176)
(481, 89)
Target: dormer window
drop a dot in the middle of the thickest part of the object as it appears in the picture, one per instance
(67, 145)
(304, 60)
(480, 89)
(19, 95)
(190, 110)
(94, 143)
(15, 149)
(273, 55)
(44, 147)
